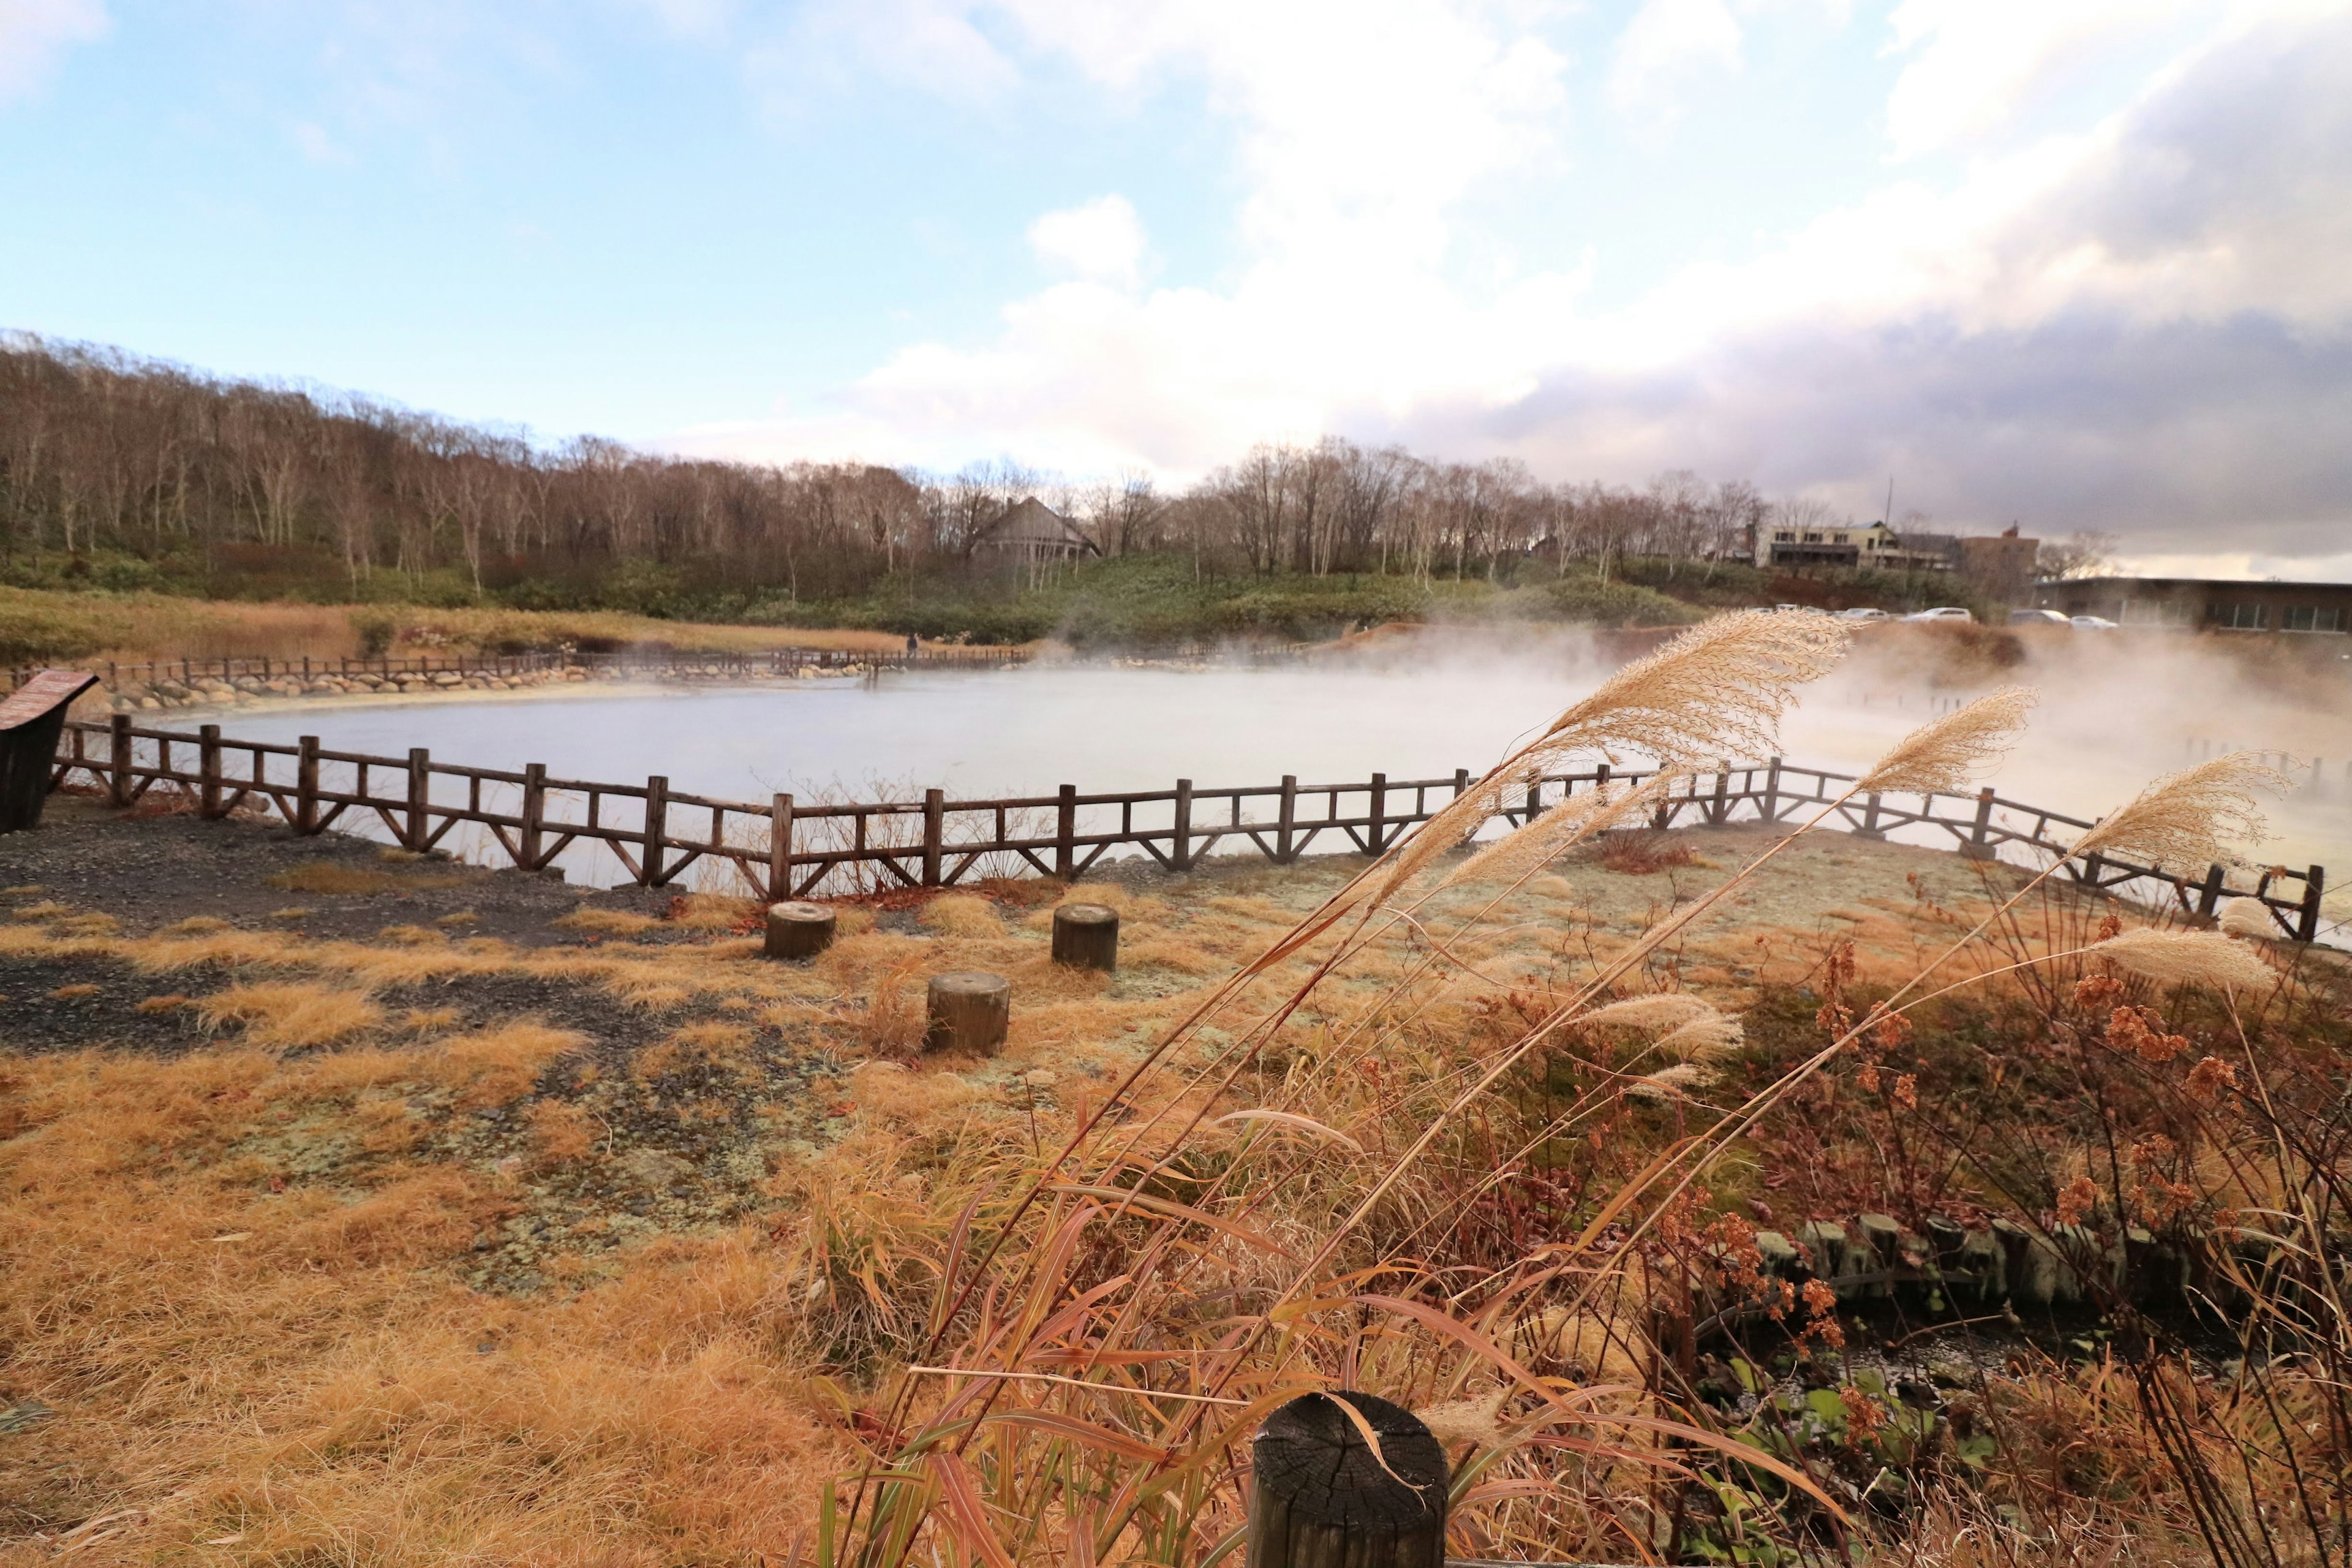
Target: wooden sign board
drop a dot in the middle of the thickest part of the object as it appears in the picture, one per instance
(31, 719)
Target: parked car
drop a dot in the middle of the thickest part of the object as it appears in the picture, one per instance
(2092, 623)
(1943, 612)
(2038, 618)
(1864, 613)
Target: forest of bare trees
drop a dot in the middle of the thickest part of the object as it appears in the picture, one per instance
(105, 454)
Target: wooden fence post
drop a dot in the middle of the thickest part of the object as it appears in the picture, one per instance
(2314, 883)
(2208, 893)
(420, 798)
(1534, 806)
(1065, 834)
(1720, 812)
(1379, 809)
(656, 828)
(1772, 791)
(209, 770)
(1290, 818)
(1461, 783)
(934, 831)
(1870, 829)
(118, 761)
(306, 785)
(534, 814)
(780, 848)
(1979, 846)
(1320, 1498)
(1181, 849)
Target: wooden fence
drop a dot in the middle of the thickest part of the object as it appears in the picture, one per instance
(718, 666)
(785, 848)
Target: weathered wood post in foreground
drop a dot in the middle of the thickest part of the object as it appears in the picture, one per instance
(31, 719)
(798, 929)
(967, 1012)
(1086, 936)
(1320, 1499)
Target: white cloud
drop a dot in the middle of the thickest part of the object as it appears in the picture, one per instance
(1975, 62)
(689, 18)
(1666, 48)
(1100, 241)
(2144, 324)
(35, 33)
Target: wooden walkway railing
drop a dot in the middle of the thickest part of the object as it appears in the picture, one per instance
(785, 847)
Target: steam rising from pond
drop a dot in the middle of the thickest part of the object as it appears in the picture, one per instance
(2115, 710)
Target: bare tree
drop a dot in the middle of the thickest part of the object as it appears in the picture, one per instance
(2083, 553)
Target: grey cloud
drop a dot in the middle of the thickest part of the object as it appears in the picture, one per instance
(2215, 419)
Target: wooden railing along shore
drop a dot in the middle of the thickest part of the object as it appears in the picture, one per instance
(785, 848)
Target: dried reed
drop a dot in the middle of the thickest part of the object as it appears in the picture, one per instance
(1945, 755)
(1717, 690)
(2190, 818)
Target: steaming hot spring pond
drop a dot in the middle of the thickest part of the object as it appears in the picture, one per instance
(1025, 731)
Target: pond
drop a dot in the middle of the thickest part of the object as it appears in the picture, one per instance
(2103, 730)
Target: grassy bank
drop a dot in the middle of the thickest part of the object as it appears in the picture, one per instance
(256, 602)
(38, 627)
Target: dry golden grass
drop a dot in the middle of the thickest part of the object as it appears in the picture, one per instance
(280, 1356)
(136, 627)
(341, 877)
(290, 1016)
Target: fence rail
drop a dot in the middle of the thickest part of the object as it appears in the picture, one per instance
(785, 847)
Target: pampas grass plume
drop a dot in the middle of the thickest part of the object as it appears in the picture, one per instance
(2188, 958)
(2187, 819)
(1717, 690)
(1945, 755)
(1703, 1039)
(1674, 1083)
(1661, 1011)
(2248, 917)
(1562, 828)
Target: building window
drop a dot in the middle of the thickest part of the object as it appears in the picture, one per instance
(2312, 619)
(2240, 617)
(1784, 537)
(1813, 538)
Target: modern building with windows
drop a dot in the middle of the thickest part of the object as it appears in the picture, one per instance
(2204, 603)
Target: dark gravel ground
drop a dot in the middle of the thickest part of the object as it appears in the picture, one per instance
(148, 872)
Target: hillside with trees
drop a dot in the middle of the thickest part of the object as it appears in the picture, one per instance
(124, 473)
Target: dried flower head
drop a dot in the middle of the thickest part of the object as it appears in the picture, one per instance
(2248, 917)
(2210, 1077)
(2188, 958)
(1560, 829)
(1945, 755)
(2187, 819)
(1717, 690)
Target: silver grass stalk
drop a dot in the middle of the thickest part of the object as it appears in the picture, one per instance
(1945, 755)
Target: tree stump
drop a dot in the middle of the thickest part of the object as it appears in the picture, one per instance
(967, 1012)
(1086, 936)
(798, 929)
(1321, 1499)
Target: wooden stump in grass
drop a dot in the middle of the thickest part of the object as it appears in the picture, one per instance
(798, 930)
(1320, 1499)
(967, 1012)
(1086, 936)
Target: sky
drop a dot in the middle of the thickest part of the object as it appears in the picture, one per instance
(2072, 264)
